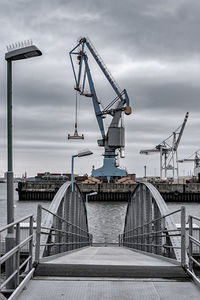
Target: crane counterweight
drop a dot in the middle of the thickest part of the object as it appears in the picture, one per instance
(128, 110)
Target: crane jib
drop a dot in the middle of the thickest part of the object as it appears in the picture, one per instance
(113, 139)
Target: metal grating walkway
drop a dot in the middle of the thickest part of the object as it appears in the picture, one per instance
(108, 290)
(108, 262)
(108, 273)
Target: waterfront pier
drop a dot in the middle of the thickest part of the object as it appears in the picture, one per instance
(108, 273)
(46, 190)
(150, 260)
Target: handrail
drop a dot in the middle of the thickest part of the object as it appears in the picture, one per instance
(192, 241)
(65, 226)
(195, 241)
(15, 249)
(12, 256)
(48, 221)
(67, 222)
(193, 217)
(14, 223)
(153, 233)
(155, 220)
(150, 226)
(61, 231)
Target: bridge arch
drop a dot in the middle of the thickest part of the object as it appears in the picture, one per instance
(65, 225)
(149, 225)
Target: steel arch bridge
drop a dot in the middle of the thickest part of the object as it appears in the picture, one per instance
(151, 227)
(149, 231)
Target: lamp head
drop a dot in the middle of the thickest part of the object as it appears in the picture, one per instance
(92, 194)
(22, 50)
(84, 153)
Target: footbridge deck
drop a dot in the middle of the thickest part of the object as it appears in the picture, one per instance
(109, 262)
(151, 260)
(108, 273)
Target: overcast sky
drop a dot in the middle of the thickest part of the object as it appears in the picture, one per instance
(151, 47)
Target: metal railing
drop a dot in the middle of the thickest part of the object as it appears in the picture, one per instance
(65, 225)
(154, 237)
(62, 236)
(150, 227)
(11, 261)
(193, 262)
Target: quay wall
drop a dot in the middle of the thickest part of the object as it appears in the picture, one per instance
(35, 190)
(46, 190)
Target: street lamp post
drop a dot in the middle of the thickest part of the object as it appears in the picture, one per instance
(72, 172)
(15, 52)
(86, 199)
(80, 154)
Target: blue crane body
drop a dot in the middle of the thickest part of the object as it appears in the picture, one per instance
(114, 138)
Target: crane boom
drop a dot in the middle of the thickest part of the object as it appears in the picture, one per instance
(102, 66)
(196, 160)
(147, 151)
(114, 138)
(186, 160)
(168, 153)
(181, 132)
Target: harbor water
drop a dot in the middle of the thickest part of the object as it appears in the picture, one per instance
(106, 219)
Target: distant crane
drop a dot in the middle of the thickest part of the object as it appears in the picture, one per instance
(195, 159)
(114, 139)
(168, 151)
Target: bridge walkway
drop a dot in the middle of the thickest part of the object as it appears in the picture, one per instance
(108, 273)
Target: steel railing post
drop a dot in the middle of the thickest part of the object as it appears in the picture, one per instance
(73, 207)
(38, 233)
(162, 233)
(190, 221)
(55, 246)
(142, 218)
(30, 243)
(90, 239)
(57, 224)
(167, 242)
(71, 220)
(17, 259)
(183, 245)
(64, 227)
(68, 216)
(1, 254)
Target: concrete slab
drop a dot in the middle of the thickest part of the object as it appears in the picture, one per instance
(108, 262)
(108, 290)
(108, 256)
(132, 277)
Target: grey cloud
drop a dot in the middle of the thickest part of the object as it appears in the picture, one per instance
(160, 37)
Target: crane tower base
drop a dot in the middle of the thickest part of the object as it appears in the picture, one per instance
(109, 170)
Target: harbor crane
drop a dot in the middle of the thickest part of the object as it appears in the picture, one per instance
(114, 139)
(168, 151)
(195, 160)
